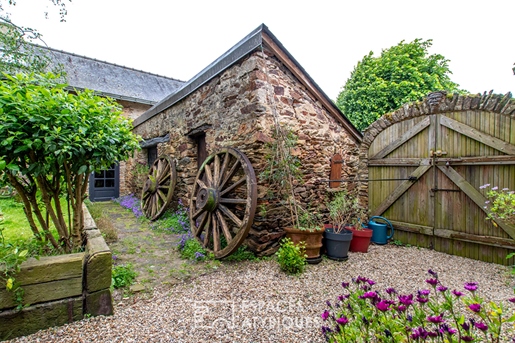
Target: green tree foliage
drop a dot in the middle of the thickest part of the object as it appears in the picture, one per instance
(403, 73)
(50, 141)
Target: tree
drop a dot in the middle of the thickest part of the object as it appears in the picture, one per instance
(51, 140)
(17, 50)
(403, 73)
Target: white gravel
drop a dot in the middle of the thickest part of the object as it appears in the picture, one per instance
(256, 302)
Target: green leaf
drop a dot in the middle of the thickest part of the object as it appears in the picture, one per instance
(13, 167)
(82, 169)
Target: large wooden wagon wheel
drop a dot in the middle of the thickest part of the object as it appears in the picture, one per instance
(223, 201)
(159, 187)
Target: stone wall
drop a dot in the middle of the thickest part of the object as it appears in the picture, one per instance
(238, 108)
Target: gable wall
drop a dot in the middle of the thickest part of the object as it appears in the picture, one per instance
(237, 108)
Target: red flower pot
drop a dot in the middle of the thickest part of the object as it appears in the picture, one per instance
(360, 239)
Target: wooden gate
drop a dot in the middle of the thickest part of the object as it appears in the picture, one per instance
(433, 157)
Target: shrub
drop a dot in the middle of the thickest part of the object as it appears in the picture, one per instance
(292, 257)
(242, 254)
(500, 204)
(123, 276)
(173, 222)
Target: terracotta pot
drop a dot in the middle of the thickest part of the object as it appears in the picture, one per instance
(360, 239)
(313, 240)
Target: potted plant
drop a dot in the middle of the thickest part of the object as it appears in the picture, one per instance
(337, 239)
(361, 235)
(310, 231)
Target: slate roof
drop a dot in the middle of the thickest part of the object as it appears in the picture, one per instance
(254, 40)
(113, 80)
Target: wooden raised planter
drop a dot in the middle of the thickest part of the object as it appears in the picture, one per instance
(60, 289)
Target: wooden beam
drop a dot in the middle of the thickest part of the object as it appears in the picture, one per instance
(482, 137)
(458, 236)
(473, 194)
(413, 131)
(403, 187)
(299, 74)
(478, 161)
(399, 162)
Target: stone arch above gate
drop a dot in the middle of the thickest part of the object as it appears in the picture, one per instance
(432, 156)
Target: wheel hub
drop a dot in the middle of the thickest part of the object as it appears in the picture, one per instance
(207, 199)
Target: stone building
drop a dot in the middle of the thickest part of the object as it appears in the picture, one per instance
(236, 102)
(136, 91)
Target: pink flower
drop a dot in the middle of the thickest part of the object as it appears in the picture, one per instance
(481, 326)
(470, 286)
(383, 305)
(435, 319)
(325, 315)
(342, 320)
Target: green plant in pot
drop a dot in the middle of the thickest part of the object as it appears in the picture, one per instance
(310, 231)
(337, 238)
(361, 235)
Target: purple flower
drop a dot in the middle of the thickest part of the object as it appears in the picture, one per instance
(446, 329)
(325, 315)
(432, 282)
(441, 288)
(467, 339)
(435, 275)
(391, 291)
(383, 305)
(512, 300)
(457, 293)
(435, 319)
(475, 307)
(406, 299)
(401, 308)
(345, 284)
(424, 292)
(481, 326)
(470, 286)
(368, 295)
(342, 320)
(465, 326)
(328, 303)
(484, 186)
(371, 282)
(199, 255)
(422, 300)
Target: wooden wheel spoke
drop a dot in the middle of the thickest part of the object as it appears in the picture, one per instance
(202, 222)
(197, 214)
(233, 186)
(229, 176)
(230, 215)
(161, 195)
(216, 179)
(208, 230)
(233, 201)
(209, 175)
(225, 227)
(227, 157)
(216, 238)
(201, 183)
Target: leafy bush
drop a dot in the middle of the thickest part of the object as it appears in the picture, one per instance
(242, 254)
(123, 276)
(191, 249)
(500, 204)
(291, 257)
(364, 315)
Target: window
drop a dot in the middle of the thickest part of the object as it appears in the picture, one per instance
(151, 155)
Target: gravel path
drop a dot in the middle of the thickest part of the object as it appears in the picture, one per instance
(255, 302)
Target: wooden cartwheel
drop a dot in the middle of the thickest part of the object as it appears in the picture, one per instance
(158, 189)
(223, 201)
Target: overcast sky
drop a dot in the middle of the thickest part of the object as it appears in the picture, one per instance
(179, 38)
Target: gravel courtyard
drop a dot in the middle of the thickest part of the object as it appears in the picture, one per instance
(256, 302)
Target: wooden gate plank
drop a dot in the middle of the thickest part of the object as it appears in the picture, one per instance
(473, 194)
(400, 190)
(482, 137)
(402, 139)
